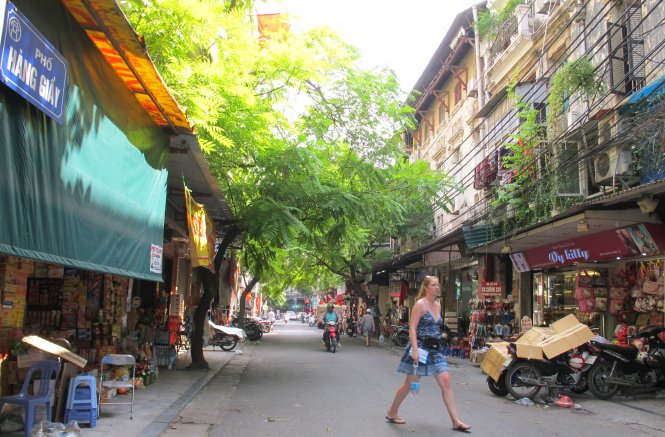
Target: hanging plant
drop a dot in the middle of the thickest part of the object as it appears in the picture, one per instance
(519, 163)
(489, 23)
(575, 76)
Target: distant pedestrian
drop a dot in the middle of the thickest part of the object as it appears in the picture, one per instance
(425, 339)
(367, 323)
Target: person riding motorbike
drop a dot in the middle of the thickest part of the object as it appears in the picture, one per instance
(329, 316)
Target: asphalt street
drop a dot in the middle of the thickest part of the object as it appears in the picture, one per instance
(288, 385)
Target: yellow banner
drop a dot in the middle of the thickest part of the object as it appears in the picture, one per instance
(201, 233)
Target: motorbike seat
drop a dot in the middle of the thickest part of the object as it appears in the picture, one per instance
(629, 352)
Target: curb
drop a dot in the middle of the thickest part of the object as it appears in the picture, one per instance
(159, 425)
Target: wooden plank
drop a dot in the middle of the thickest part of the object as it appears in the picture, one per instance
(54, 349)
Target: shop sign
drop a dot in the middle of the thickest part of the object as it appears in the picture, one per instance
(155, 258)
(631, 241)
(490, 289)
(31, 66)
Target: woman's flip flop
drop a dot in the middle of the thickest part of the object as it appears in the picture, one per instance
(395, 420)
(463, 428)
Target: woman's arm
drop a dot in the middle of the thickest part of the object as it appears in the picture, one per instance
(416, 314)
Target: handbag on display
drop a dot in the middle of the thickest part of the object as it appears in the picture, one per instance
(588, 305)
(584, 293)
(616, 306)
(584, 280)
(601, 303)
(600, 291)
(618, 293)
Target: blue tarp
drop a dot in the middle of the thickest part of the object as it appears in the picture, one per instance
(645, 98)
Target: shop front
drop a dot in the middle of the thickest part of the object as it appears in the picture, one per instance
(605, 278)
(83, 179)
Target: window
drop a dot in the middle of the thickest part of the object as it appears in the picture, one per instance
(442, 113)
(458, 92)
(626, 48)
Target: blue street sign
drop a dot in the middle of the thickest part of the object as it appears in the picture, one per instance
(31, 66)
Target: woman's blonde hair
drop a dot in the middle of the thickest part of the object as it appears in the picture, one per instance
(426, 282)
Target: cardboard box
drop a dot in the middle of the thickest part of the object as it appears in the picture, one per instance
(496, 359)
(565, 334)
(528, 344)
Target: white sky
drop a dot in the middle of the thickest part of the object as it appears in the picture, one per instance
(400, 34)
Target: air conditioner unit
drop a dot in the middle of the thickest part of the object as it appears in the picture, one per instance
(472, 87)
(458, 203)
(545, 6)
(615, 161)
(572, 118)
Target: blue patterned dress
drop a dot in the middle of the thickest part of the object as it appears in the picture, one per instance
(436, 360)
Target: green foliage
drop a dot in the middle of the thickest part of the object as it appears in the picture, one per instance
(521, 159)
(575, 76)
(490, 22)
(304, 144)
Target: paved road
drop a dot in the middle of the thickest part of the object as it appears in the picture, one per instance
(287, 385)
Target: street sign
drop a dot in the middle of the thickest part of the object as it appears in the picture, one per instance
(31, 66)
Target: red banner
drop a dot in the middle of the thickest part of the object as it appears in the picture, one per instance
(632, 241)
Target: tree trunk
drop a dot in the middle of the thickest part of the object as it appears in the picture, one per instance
(200, 326)
(243, 301)
(210, 282)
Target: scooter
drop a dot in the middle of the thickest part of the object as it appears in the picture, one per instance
(350, 327)
(524, 378)
(312, 320)
(224, 337)
(330, 336)
(400, 335)
(629, 366)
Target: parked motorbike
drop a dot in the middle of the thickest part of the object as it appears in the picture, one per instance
(224, 337)
(629, 366)
(265, 325)
(252, 328)
(400, 335)
(524, 378)
(312, 320)
(330, 336)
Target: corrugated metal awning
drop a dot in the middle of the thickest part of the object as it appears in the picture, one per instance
(109, 30)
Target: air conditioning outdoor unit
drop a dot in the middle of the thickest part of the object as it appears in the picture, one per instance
(472, 87)
(458, 204)
(545, 6)
(572, 118)
(612, 162)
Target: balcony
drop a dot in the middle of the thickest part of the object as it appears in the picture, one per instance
(513, 41)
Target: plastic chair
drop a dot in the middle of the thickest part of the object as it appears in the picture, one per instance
(48, 370)
(118, 360)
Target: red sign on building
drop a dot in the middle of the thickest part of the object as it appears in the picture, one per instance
(490, 289)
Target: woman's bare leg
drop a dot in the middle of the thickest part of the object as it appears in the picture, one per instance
(401, 393)
(443, 379)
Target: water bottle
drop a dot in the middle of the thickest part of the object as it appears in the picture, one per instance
(415, 385)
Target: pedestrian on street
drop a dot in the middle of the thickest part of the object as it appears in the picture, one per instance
(368, 325)
(424, 339)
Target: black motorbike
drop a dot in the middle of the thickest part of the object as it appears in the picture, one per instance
(524, 378)
(350, 327)
(252, 329)
(629, 367)
(400, 335)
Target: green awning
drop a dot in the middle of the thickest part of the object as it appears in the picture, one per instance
(90, 193)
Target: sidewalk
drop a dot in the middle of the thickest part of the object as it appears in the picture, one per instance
(156, 405)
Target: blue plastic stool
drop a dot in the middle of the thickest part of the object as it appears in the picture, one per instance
(82, 400)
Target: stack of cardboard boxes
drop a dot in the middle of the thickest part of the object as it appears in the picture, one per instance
(538, 343)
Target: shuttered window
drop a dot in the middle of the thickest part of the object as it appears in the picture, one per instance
(625, 42)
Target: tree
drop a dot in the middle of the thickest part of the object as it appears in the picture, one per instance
(305, 145)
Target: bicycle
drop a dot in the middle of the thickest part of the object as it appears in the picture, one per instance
(182, 341)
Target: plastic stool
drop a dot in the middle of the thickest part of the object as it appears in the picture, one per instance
(82, 400)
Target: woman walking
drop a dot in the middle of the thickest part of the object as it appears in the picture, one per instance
(368, 326)
(425, 339)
